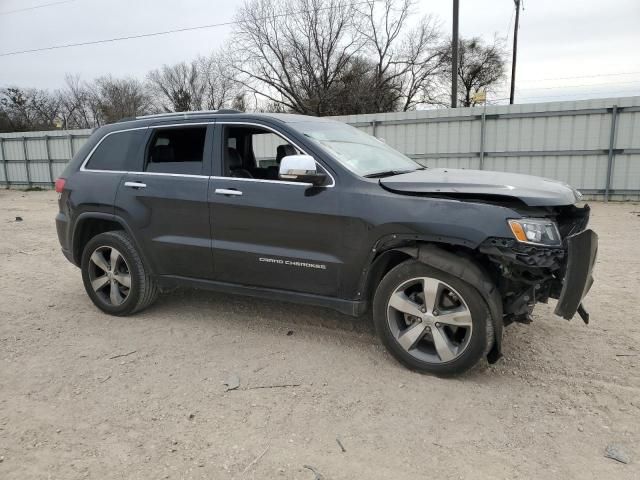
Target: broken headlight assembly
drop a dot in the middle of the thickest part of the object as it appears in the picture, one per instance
(536, 231)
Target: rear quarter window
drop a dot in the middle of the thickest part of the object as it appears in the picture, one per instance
(117, 151)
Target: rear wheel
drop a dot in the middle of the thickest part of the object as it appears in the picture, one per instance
(431, 321)
(114, 276)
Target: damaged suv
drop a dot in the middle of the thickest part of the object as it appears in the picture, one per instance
(314, 211)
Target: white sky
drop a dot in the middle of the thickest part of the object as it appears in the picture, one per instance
(557, 39)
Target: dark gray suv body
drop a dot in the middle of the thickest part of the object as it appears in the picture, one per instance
(314, 211)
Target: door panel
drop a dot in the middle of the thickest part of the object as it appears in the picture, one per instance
(170, 217)
(166, 205)
(276, 234)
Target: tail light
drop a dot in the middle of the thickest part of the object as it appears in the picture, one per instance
(60, 184)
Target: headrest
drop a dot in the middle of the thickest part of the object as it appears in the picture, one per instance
(283, 151)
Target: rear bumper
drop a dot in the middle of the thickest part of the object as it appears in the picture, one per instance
(62, 228)
(582, 251)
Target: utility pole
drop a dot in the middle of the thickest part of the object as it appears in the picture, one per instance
(515, 52)
(454, 56)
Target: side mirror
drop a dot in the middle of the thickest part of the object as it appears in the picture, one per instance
(301, 168)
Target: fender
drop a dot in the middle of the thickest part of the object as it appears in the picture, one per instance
(390, 243)
(113, 218)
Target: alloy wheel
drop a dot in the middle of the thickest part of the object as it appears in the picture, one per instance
(430, 320)
(109, 275)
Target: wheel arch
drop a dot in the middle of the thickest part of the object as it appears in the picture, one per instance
(90, 224)
(460, 265)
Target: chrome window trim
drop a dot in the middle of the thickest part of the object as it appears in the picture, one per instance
(262, 180)
(88, 157)
(283, 182)
(333, 180)
(188, 175)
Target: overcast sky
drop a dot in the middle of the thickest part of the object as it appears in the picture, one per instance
(597, 41)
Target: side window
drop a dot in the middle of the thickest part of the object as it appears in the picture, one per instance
(254, 152)
(265, 148)
(117, 151)
(176, 150)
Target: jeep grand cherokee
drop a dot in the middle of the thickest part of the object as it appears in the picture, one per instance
(312, 210)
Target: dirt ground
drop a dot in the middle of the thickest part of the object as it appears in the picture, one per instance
(86, 395)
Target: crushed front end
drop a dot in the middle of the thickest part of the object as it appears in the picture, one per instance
(550, 256)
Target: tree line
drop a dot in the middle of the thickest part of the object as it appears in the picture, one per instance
(315, 57)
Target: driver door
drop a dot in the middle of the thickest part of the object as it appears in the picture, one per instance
(267, 232)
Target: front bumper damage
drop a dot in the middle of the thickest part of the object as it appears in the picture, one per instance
(582, 252)
(528, 274)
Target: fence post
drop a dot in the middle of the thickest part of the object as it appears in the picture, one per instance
(483, 123)
(4, 162)
(49, 159)
(70, 140)
(374, 124)
(612, 143)
(26, 160)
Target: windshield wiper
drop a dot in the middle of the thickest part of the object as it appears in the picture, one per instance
(389, 173)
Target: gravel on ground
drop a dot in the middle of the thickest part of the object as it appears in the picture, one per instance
(87, 395)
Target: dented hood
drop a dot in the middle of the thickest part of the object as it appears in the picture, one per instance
(534, 191)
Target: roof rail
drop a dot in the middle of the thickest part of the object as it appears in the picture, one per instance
(188, 114)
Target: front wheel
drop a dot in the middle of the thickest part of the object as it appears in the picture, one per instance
(431, 321)
(114, 276)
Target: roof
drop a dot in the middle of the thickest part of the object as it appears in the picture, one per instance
(213, 114)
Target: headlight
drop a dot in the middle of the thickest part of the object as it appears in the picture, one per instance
(536, 231)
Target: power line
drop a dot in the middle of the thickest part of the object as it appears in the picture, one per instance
(557, 87)
(165, 32)
(568, 95)
(35, 7)
(117, 39)
(586, 76)
(606, 95)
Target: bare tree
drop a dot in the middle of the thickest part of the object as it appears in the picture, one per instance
(406, 61)
(220, 87)
(14, 105)
(28, 109)
(358, 90)
(292, 51)
(120, 98)
(178, 88)
(422, 64)
(308, 54)
(78, 104)
(481, 67)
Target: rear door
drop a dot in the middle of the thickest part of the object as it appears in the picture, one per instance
(164, 200)
(270, 233)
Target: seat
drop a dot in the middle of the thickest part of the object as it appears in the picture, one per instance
(273, 172)
(162, 154)
(234, 164)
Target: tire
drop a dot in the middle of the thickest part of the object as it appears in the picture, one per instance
(118, 284)
(445, 335)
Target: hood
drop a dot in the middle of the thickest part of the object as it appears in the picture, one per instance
(534, 191)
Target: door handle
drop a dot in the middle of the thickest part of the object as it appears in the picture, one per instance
(227, 191)
(135, 184)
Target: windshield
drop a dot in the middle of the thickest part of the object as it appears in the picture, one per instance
(359, 152)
